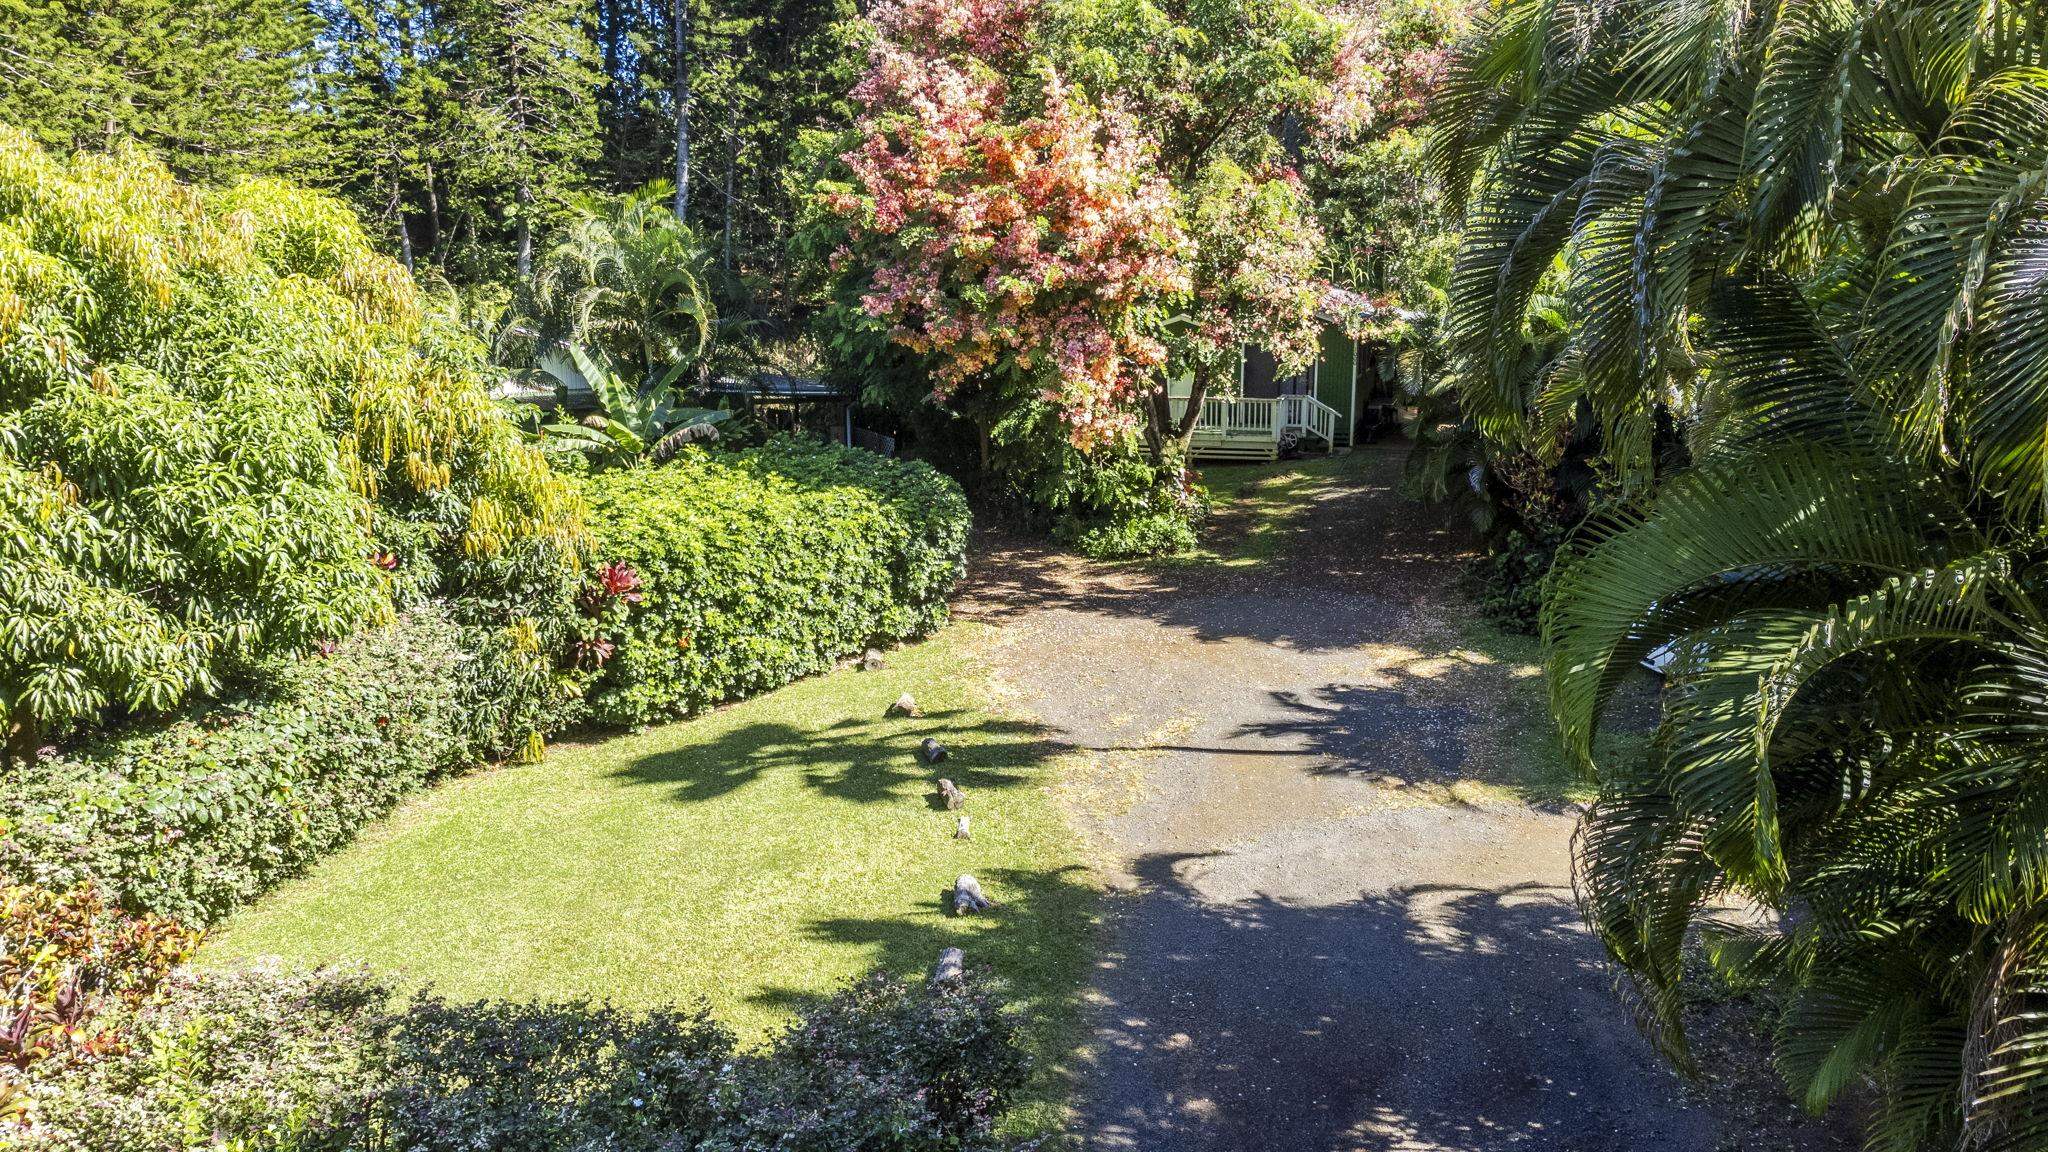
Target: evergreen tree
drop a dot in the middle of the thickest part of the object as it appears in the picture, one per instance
(379, 91)
(458, 128)
(524, 81)
(213, 87)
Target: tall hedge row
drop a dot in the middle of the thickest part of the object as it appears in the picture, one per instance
(716, 576)
(752, 569)
(195, 818)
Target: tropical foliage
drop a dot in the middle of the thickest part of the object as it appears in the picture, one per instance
(627, 281)
(228, 430)
(1799, 250)
(725, 575)
(69, 964)
(334, 1061)
(634, 421)
(196, 818)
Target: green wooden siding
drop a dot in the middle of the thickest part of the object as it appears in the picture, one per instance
(1334, 375)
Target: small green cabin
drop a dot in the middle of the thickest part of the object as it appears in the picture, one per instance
(1345, 397)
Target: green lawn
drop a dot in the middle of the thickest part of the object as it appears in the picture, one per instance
(753, 857)
(1270, 502)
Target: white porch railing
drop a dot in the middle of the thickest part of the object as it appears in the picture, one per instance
(1235, 416)
(1267, 418)
(1309, 415)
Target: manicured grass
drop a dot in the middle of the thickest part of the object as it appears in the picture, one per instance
(1266, 505)
(753, 857)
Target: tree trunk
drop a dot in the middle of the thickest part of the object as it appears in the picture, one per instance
(525, 258)
(434, 224)
(610, 43)
(732, 161)
(1166, 436)
(19, 750)
(679, 46)
(394, 209)
(981, 440)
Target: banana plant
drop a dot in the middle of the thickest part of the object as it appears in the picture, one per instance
(634, 422)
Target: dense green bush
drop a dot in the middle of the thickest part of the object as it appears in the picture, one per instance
(196, 818)
(726, 574)
(884, 1064)
(1167, 532)
(328, 1062)
(540, 1077)
(282, 1062)
(1507, 579)
(229, 430)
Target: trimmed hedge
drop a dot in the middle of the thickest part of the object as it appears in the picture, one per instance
(747, 570)
(724, 575)
(331, 1061)
(194, 819)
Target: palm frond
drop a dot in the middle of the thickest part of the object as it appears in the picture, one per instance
(1716, 539)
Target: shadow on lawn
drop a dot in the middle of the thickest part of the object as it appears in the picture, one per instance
(1036, 936)
(864, 761)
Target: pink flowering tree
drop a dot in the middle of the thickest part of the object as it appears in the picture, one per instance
(1071, 202)
(1021, 241)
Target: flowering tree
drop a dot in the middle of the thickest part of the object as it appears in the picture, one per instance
(1016, 250)
(1072, 203)
(1253, 282)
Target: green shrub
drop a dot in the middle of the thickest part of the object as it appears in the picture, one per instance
(327, 1062)
(884, 1064)
(541, 1077)
(721, 575)
(282, 1062)
(1167, 532)
(229, 430)
(1507, 578)
(195, 818)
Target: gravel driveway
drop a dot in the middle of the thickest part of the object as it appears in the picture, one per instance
(1339, 924)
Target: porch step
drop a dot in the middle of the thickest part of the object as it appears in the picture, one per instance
(1233, 448)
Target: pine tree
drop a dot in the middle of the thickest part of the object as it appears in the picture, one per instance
(210, 86)
(377, 91)
(524, 79)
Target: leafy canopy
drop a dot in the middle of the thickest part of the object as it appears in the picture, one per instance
(1067, 203)
(227, 430)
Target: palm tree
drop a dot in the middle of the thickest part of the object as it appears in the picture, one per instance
(636, 422)
(1810, 238)
(626, 280)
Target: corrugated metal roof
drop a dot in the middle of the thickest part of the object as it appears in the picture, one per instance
(774, 385)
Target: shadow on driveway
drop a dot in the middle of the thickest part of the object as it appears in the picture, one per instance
(1426, 1017)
